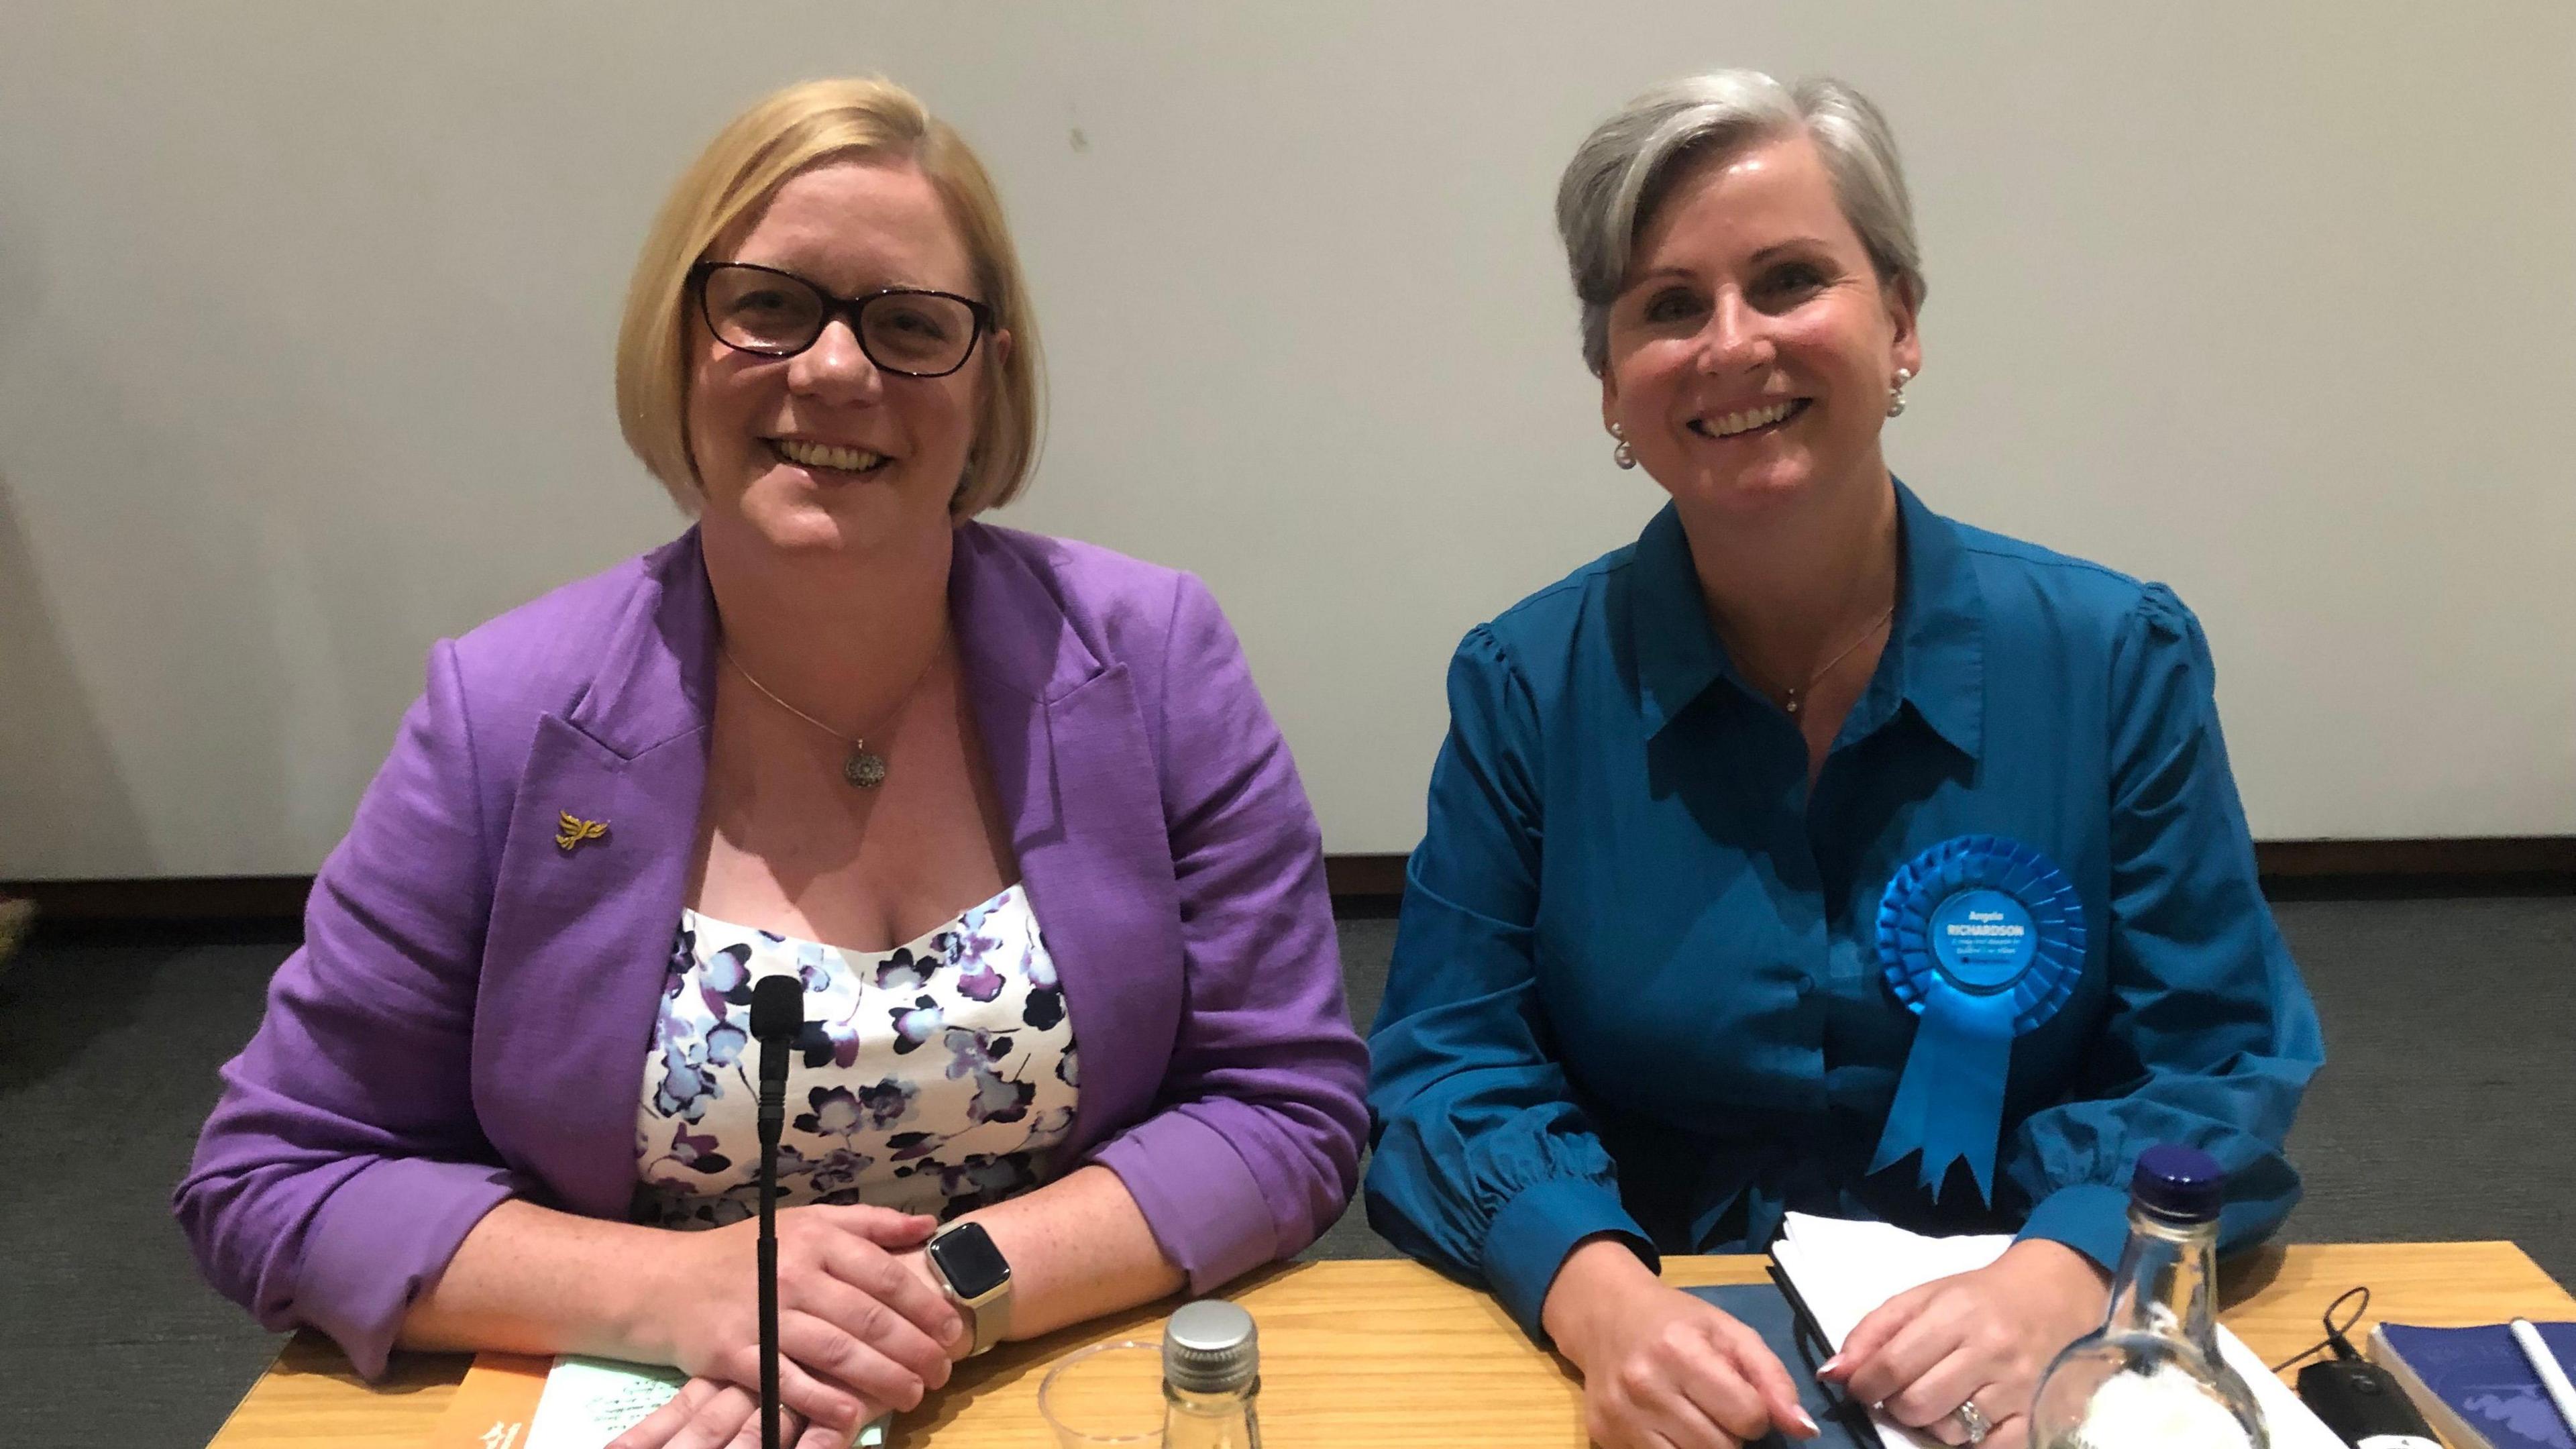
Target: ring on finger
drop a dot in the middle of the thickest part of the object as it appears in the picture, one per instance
(1973, 1421)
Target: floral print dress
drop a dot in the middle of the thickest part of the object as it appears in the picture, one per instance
(932, 1078)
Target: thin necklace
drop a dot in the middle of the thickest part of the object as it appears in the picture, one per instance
(864, 768)
(1793, 698)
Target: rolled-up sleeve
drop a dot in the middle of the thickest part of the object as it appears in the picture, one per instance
(2212, 1037)
(1253, 1147)
(1484, 1165)
(343, 1165)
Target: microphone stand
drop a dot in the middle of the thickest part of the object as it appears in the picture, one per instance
(777, 1015)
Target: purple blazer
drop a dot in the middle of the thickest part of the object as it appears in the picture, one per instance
(470, 1014)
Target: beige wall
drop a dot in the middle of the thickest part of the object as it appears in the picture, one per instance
(305, 312)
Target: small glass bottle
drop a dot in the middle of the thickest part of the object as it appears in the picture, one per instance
(2151, 1375)
(1211, 1376)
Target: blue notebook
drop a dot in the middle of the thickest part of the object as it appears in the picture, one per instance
(2474, 1384)
(1760, 1307)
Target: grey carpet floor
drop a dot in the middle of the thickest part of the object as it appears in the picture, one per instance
(2442, 1113)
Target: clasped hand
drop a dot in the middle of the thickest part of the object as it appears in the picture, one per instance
(862, 1328)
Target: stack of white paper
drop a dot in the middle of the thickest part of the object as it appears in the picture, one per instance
(1845, 1269)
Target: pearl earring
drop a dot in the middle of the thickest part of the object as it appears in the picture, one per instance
(1623, 455)
(1896, 394)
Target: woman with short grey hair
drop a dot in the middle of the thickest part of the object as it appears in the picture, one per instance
(1629, 161)
(1814, 852)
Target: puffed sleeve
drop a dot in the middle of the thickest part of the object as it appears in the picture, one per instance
(2211, 1037)
(343, 1164)
(1254, 1145)
(1484, 1165)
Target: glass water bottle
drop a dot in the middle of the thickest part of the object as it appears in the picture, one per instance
(2151, 1375)
(1211, 1376)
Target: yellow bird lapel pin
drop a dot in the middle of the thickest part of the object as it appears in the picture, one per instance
(577, 830)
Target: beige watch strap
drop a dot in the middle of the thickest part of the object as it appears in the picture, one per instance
(991, 1320)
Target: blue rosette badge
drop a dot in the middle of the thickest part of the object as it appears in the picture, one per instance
(1983, 938)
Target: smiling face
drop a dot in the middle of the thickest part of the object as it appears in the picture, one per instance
(1752, 349)
(823, 451)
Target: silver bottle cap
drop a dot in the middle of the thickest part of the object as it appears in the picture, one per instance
(1211, 1347)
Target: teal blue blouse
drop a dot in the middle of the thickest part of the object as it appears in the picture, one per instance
(1635, 989)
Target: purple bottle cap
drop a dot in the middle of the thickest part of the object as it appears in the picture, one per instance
(2179, 1184)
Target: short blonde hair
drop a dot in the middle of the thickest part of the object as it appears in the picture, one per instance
(788, 133)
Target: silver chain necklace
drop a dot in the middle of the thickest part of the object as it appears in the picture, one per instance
(865, 768)
(1793, 698)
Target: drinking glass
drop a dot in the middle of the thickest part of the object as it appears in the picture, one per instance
(1107, 1396)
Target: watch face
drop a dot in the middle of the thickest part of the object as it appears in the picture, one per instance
(969, 1261)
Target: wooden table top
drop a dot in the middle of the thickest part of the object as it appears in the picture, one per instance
(1391, 1354)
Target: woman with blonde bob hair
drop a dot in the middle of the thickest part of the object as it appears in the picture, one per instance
(980, 793)
(769, 144)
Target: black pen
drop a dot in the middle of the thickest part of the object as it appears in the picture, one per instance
(1839, 1406)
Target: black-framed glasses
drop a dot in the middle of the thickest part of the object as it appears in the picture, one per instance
(909, 331)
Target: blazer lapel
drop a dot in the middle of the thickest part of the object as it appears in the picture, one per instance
(580, 938)
(1065, 739)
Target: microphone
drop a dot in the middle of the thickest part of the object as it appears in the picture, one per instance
(777, 1015)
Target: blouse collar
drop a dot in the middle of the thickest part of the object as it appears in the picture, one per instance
(1934, 663)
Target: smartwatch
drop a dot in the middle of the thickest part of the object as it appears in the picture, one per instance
(977, 1279)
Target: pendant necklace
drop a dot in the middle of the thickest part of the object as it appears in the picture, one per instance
(1793, 698)
(864, 768)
